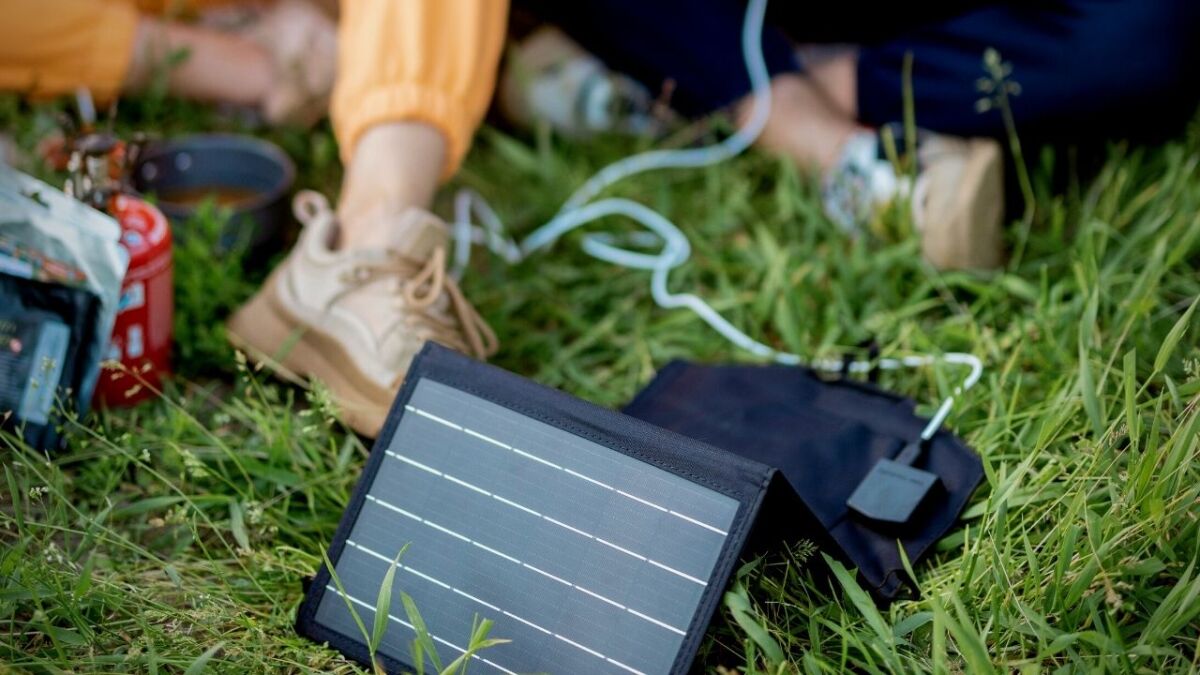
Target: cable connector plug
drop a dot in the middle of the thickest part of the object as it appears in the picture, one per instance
(894, 489)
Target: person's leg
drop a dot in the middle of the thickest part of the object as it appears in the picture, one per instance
(394, 167)
(550, 79)
(833, 70)
(690, 50)
(954, 192)
(697, 48)
(805, 124)
(414, 81)
(1086, 71)
(361, 292)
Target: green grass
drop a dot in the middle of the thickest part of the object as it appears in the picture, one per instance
(174, 537)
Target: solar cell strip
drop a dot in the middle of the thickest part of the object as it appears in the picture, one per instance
(576, 645)
(406, 568)
(505, 556)
(676, 572)
(509, 502)
(527, 623)
(621, 549)
(547, 574)
(435, 418)
(571, 472)
(589, 479)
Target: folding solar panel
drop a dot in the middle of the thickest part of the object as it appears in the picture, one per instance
(596, 543)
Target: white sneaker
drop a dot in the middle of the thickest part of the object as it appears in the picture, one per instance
(957, 198)
(355, 319)
(552, 79)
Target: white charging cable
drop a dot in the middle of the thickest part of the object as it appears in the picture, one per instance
(675, 249)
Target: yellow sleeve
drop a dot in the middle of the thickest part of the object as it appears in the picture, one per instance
(52, 49)
(431, 61)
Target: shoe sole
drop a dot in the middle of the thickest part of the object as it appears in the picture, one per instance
(270, 336)
(973, 231)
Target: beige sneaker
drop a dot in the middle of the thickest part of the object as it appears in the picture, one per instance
(958, 202)
(957, 198)
(354, 319)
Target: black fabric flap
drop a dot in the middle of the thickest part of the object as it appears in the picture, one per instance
(824, 437)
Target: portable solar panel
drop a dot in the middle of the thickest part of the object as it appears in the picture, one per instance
(596, 543)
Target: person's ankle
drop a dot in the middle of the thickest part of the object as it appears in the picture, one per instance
(395, 162)
(395, 167)
(372, 225)
(802, 125)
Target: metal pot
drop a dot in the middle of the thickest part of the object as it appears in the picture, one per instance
(260, 173)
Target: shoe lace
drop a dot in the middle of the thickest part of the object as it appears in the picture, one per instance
(429, 284)
(421, 286)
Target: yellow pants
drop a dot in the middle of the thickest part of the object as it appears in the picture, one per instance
(432, 61)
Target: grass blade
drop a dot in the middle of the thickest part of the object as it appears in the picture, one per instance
(383, 605)
(1172, 340)
(424, 639)
(861, 601)
(201, 663)
(479, 642)
(738, 602)
(337, 581)
(237, 524)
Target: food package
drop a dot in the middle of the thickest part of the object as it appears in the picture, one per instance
(61, 266)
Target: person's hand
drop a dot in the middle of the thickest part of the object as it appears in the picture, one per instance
(302, 44)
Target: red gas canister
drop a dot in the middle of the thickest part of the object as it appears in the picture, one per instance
(141, 337)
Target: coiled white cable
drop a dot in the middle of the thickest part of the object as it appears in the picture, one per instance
(675, 249)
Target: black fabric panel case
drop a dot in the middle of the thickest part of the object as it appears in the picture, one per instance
(824, 437)
(597, 542)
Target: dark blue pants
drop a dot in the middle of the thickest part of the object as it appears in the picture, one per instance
(1086, 68)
